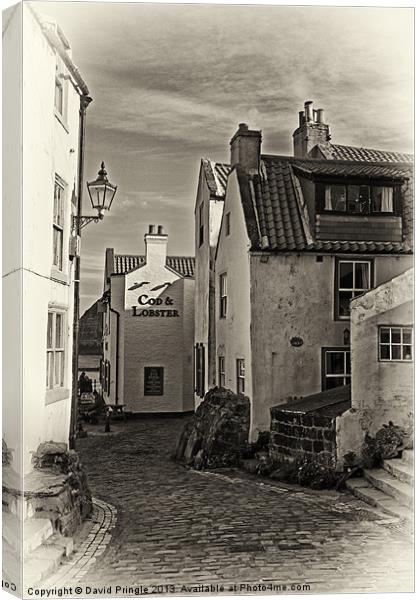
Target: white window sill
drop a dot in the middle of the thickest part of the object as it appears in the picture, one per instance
(59, 276)
(56, 395)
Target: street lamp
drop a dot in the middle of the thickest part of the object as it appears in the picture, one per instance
(101, 193)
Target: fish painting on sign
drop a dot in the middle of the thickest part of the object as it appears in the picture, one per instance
(208, 307)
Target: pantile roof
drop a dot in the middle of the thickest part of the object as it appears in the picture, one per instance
(125, 263)
(216, 176)
(276, 212)
(354, 153)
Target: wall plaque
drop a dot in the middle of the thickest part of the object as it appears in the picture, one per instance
(153, 381)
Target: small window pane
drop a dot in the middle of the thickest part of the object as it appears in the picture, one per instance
(406, 336)
(346, 275)
(382, 199)
(385, 352)
(407, 355)
(333, 382)
(348, 363)
(344, 303)
(59, 330)
(361, 275)
(335, 198)
(358, 199)
(49, 370)
(396, 352)
(396, 336)
(335, 362)
(50, 330)
(385, 336)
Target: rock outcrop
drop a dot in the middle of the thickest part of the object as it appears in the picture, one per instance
(217, 432)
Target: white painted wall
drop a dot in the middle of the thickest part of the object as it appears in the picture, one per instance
(232, 257)
(204, 276)
(48, 149)
(147, 341)
(12, 405)
(381, 391)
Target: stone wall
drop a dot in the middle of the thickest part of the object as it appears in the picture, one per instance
(217, 432)
(295, 436)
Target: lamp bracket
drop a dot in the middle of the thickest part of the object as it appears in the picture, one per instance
(80, 221)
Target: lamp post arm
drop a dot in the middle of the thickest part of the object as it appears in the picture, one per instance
(80, 221)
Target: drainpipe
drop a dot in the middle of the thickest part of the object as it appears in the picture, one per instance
(85, 100)
(117, 358)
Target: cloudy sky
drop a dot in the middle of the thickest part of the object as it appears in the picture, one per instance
(170, 83)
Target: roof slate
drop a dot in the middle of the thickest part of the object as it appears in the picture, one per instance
(280, 216)
(354, 153)
(125, 263)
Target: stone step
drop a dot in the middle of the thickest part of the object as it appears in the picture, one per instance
(408, 456)
(35, 531)
(388, 484)
(42, 562)
(363, 490)
(400, 470)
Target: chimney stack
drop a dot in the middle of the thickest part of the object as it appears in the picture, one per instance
(156, 246)
(245, 149)
(312, 131)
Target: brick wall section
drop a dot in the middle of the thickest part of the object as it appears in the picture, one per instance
(297, 435)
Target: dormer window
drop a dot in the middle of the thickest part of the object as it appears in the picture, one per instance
(357, 198)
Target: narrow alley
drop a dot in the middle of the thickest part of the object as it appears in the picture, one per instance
(178, 528)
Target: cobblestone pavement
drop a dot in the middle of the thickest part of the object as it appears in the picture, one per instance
(179, 528)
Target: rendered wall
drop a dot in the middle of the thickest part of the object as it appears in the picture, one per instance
(204, 277)
(50, 149)
(381, 391)
(293, 296)
(12, 409)
(232, 258)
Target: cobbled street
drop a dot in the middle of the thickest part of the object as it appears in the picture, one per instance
(178, 527)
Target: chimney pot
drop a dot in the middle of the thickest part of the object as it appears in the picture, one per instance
(309, 115)
(320, 113)
(243, 126)
(151, 229)
(301, 118)
(160, 230)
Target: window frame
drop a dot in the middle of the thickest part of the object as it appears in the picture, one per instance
(324, 351)
(320, 185)
(227, 223)
(59, 223)
(350, 259)
(61, 81)
(240, 377)
(223, 298)
(54, 349)
(221, 361)
(201, 225)
(199, 369)
(400, 344)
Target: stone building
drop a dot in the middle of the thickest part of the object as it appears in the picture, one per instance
(148, 330)
(299, 237)
(44, 96)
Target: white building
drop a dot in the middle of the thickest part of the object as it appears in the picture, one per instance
(148, 329)
(42, 95)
